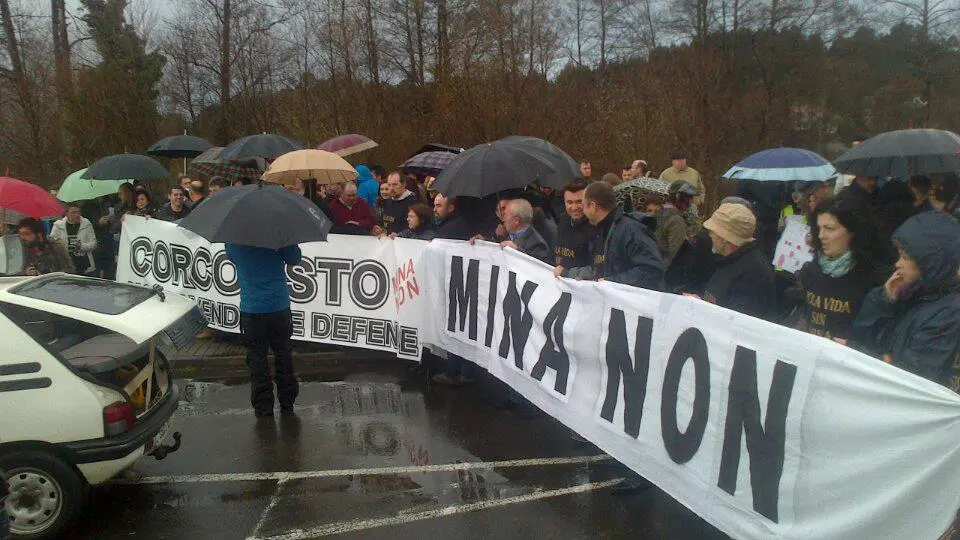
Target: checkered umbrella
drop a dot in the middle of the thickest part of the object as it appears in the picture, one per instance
(430, 163)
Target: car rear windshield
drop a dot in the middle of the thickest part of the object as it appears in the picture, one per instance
(107, 297)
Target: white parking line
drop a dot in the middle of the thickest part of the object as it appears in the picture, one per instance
(274, 500)
(297, 475)
(364, 524)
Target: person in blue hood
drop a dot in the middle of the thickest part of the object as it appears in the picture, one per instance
(914, 319)
(367, 186)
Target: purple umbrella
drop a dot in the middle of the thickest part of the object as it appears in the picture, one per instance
(346, 145)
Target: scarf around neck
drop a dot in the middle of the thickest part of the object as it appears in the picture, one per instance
(838, 267)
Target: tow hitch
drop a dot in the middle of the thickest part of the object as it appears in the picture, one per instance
(164, 450)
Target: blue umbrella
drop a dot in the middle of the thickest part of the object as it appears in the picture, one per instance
(783, 165)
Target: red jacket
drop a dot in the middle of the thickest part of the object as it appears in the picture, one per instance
(361, 213)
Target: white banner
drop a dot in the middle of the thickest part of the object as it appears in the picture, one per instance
(351, 290)
(764, 431)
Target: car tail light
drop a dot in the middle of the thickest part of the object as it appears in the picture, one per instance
(118, 418)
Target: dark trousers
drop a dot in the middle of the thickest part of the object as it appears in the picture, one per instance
(273, 330)
(458, 365)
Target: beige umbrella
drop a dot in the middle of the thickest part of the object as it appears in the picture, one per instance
(324, 167)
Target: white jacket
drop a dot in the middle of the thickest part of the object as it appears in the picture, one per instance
(88, 239)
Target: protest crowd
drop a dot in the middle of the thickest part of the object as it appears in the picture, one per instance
(880, 275)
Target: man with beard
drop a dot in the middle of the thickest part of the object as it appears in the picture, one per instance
(42, 255)
(576, 232)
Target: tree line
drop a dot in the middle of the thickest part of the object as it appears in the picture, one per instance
(607, 80)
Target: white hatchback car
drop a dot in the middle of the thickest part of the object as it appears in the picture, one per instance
(86, 388)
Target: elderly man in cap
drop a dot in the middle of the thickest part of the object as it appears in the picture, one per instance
(679, 170)
(744, 279)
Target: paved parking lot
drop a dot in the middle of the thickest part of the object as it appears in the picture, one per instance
(376, 455)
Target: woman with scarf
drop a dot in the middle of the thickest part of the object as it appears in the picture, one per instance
(848, 262)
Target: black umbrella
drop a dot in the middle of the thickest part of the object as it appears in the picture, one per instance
(179, 146)
(260, 215)
(490, 168)
(264, 146)
(567, 169)
(903, 153)
(128, 167)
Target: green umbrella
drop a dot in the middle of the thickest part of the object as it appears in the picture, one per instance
(75, 188)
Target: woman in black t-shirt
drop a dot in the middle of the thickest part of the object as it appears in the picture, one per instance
(848, 262)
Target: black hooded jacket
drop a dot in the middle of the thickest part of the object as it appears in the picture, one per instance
(625, 252)
(922, 332)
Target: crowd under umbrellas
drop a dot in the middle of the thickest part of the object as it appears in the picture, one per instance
(293, 194)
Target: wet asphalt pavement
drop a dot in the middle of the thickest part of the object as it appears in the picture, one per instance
(526, 478)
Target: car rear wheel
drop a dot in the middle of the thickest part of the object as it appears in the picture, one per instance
(46, 494)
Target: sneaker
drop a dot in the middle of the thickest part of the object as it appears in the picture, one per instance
(263, 414)
(442, 378)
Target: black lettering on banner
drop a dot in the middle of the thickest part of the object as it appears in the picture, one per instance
(334, 270)
(321, 326)
(634, 371)
(463, 296)
(219, 314)
(226, 287)
(369, 299)
(492, 304)
(141, 256)
(180, 257)
(297, 318)
(554, 354)
(765, 443)
(301, 283)
(162, 269)
(517, 319)
(683, 446)
(201, 269)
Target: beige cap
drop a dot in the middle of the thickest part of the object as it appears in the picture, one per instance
(734, 223)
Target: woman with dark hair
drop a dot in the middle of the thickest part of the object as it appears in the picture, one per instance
(419, 223)
(848, 262)
(144, 204)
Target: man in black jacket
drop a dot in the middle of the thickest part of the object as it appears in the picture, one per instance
(626, 251)
(576, 233)
(396, 207)
(744, 279)
(450, 223)
(177, 209)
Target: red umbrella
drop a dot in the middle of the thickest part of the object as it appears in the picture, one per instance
(346, 145)
(28, 199)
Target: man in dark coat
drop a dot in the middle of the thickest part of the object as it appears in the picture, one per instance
(626, 251)
(451, 225)
(576, 233)
(396, 207)
(177, 209)
(518, 220)
(744, 279)
(914, 318)
(863, 188)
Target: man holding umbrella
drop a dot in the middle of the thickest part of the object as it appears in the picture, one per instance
(266, 321)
